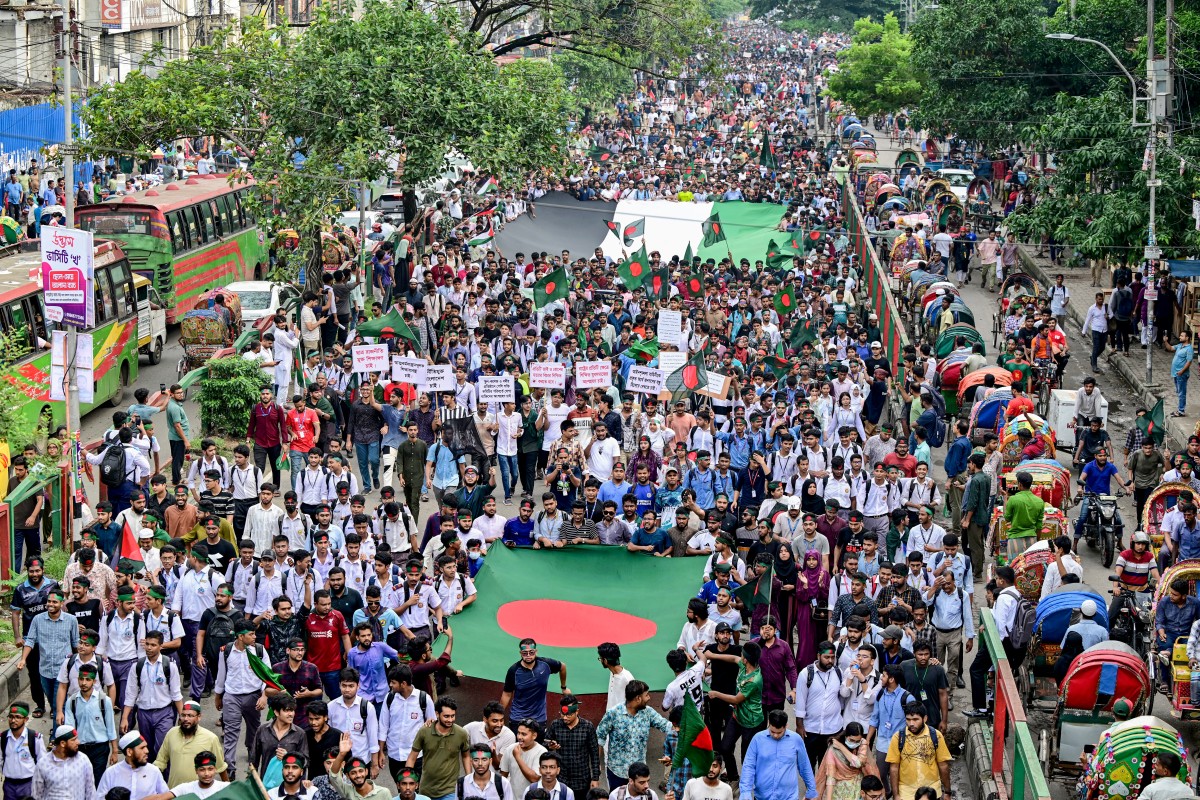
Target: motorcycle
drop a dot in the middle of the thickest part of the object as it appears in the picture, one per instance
(1133, 623)
(1102, 525)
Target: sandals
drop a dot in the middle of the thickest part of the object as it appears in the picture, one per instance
(38, 713)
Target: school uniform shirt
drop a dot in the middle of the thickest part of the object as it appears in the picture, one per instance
(452, 592)
(416, 616)
(19, 763)
(234, 673)
(194, 788)
(69, 673)
(819, 705)
(261, 590)
(244, 482)
(315, 487)
(118, 641)
(195, 593)
(240, 574)
(920, 536)
(357, 573)
(359, 720)
(400, 720)
(94, 719)
(322, 566)
(158, 686)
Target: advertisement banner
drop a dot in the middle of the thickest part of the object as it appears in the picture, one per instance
(68, 276)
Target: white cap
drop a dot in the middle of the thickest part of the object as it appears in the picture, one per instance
(1088, 608)
(146, 533)
(131, 739)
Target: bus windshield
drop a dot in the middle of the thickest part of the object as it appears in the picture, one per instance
(112, 222)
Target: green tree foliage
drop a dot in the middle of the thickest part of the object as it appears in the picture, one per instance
(594, 81)
(388, 92)
(227, 394)
(16, 427)
(875, 74)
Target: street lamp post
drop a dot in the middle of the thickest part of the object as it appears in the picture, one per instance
(1152, 251)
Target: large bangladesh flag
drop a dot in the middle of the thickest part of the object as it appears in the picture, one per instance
(695, 742)
(564, 599)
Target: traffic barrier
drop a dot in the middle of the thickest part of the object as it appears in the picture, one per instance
(877, 278)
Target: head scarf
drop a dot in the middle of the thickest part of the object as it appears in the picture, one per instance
(786, 570)
(818, 579)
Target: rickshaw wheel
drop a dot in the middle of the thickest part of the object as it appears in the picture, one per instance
(1043, 401)
(995, 330)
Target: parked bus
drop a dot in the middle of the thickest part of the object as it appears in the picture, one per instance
(114, 336)
(186, 237)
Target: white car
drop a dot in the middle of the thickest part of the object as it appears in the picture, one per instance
(959, 180)
(259, 299)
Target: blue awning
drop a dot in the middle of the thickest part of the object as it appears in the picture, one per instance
(1184, 268)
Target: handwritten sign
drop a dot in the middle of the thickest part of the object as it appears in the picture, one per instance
(670, 327)
(439, 378)
(593, 375)
(68, 276)
(495, 389)
(409, 370)
(718, 385)
(370, 357)
(645, 380)
(670, 361)
(547, 375)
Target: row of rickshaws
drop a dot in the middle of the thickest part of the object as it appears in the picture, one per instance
(1112, 757)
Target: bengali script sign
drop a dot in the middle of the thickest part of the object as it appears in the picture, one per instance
(68, 276)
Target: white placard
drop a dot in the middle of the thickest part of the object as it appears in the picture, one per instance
(718, 385)
(593, 375)
(409, 370)
(547, 375)
(645, 380)
(370, 357)
(84, 375)
(670, 361)
(496, 389)
(670, 327)
(439, 378)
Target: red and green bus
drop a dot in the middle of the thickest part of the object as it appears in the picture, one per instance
(114, 336)
(187, 237)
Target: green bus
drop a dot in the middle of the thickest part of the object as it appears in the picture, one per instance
(114, 336)
(186, 237)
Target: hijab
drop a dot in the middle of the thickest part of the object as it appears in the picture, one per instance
(786, 571)
(818, 579)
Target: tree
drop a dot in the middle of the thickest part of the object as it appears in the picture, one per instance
(391, 91)
(875, 74)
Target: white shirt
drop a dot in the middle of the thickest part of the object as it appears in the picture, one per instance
(400, 721)
(195, 593)
(244, 482)
(185, 789)
(919, 537)
(1096, 320)
(879, 500)
(157, 688)
(691, 634)
(315, 486)
(117, 639)
(168, 623)
(416, 616)
(1005, 610)
(453, 592)
(506, 436)
(616, 688)
(685, 683)
(261, 590)
(262, 524)
(106, 676)
(1053, 580)
(364, 735)
(234, 674)
(860, 696)
(478, 735)
(601, 457)
(141, 782)
(19, 763)
(820, 706)
(486, 528)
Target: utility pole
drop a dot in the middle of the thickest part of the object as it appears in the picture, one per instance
(1158, 80)
(74, 418)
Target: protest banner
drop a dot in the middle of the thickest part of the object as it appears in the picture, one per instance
(547, 375)
(593, 375)
(439, 378)
(409, 370)
(645, 380)
(670, 327)
(496, 389)
(369, 357)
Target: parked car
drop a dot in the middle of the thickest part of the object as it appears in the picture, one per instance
(260, 299)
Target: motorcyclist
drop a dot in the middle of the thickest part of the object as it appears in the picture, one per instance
(1134, 570)
(1096, 478)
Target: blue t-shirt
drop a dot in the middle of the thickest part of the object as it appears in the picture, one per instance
(614, 491)
(518, 533)
(658, 539)
(1183, 354)
(14, 192)
(645, 498)
(1096, 479)
(528, 688)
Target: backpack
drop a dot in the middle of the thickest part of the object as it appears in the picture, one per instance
(812, 671)
(145, 615)
(75, 714)
(282, 582)
(112, 465)
(141, 664)
(933, 735)
(30, 737)
(498, 779)
(1124, 304)
(108, 618)
(422, 699)
(937, 432)
(1021, 632)
(219, 633)
(261, 652)
(962, 600)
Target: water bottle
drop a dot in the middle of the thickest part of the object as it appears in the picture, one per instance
(1195, 685)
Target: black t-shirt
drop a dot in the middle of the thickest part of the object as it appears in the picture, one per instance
(159, 509)
(758, 547)
(318, 746)
(925, 685)
(88, 613)
(850, 542)
(724, 673)
(31, 600)
(224, 550)
(349, 602)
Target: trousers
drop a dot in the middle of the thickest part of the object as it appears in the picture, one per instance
(949, 653)
(236, 709)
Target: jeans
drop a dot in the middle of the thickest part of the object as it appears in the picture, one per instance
(32, 540)
(187, 659)
(296, 464)
(367, 454)
(50, 689)
(1181, 382)
(178, 456)
(1121, 331)
(331, 684)
(508, 473)
(1098, 340)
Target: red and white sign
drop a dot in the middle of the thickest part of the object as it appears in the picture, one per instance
(110, 14)
(547, 375)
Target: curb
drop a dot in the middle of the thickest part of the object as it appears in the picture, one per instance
(13, 682)
(979, 762)
(1146, 394)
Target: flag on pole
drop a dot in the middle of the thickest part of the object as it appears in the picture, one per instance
(785, 301)
(694, 286)
(549, 288)
(129, 555)
(643, 350)
(483, 237)
(660, 285)
(390, 323)
(756, 592)
(688, 255)
(688, 378)
(1152, 424)
(636, 270)
(600, 154)
(777, 257)
(803, 330)
(633, 231)
(489, 184)
(766, 153)
(695, 742)
(713, 232)
(778, 365)
(262, 670)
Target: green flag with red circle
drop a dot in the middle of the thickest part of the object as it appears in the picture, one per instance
(693, 287)
(688, 378)
(549, 288)
(785, 301)
(636, 270)
(659, 285)
(713, 230)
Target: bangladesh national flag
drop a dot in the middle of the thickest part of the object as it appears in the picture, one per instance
(600, 154)
(688, 255)
(483, 237)
(776, 257)
(778, 365)
(643, 350)
(129, 555)
(564, 599)
(263, 671)
(756, 592)
(713, 231)
(636, 270)
(390, 323)
(785, 301)
(796, 242)
(550, 288)
(659, 286)
(804, 330)
(1153, 424)
(766, 153)
(693, 287)
(628, 232)
(695, 742)
(688, 378)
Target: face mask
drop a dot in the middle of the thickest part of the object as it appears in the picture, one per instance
(853, 743)
(474, 555)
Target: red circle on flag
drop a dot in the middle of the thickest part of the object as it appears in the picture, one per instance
(550, 287)
(563, 623)
(635, 269)
(785, 300)
(716, 227)
(814, 235)
(691, 377)
(695, 287)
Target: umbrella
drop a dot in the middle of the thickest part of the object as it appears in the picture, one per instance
(896, 202)
(11, 229)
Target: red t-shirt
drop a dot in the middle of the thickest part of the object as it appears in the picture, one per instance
(302, 429)
(1018, 406)
(907, 464)
(325, 640)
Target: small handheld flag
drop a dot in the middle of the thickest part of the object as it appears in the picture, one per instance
(713, 230)
(549, 288)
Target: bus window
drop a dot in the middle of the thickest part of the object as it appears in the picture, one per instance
(236, 210)
(179, 239)
(243, 197)
(123, 288)
(37, 313)
(106, 307)
(115, 221)
(206, 219)
(198, 231)
(17, 320)
(228, 222)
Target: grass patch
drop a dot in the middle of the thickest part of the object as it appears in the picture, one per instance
(56, 566)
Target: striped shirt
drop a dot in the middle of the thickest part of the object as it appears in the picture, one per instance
(56, 639)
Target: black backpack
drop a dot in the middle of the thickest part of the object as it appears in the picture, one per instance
(498, 779)
(30, 737)
(74, 704)
(219, 633)
(112, 466)
(933, 735)
(168, 662)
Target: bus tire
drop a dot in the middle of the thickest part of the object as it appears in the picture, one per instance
(122, 382)
(156, 351)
